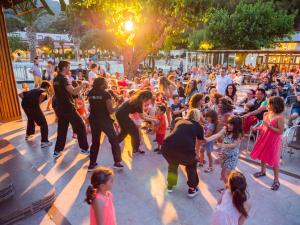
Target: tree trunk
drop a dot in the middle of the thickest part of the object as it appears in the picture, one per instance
(31, 35)
(63, 52)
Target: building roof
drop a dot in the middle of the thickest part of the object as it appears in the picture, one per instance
(294, 38)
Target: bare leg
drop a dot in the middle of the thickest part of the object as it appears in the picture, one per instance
(263, 167)
(210, 160)
(276, 173)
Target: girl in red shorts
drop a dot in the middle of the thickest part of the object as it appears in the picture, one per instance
(161, 127)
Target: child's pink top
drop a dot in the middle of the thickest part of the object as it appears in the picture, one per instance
(108, 210)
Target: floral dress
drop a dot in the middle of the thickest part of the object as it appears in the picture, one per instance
(230, 156)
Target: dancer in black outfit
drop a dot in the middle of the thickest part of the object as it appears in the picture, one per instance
(66, 112)
(100, 121)
(133, 105)
(179, 149)
(31, 101)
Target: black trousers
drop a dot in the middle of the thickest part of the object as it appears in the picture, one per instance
(106, 126)
(73, 118)
(128, 127)
(191, 170)
(35, 115)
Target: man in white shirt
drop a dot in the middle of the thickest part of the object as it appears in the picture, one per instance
(93, 74)
(37, 73)
(222, 81)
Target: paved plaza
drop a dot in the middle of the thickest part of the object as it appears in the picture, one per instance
(140, 189)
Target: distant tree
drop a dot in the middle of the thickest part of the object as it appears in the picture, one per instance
(99, 39)
(16, 43)
(250, 26)
(47, 44)
(62, 43)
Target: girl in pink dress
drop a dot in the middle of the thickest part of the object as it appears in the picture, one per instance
(98, 195)
(267, 147)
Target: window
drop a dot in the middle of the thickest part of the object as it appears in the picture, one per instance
(40, 37)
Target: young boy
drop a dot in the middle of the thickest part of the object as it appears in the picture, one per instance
(177, 110)
(161, 127)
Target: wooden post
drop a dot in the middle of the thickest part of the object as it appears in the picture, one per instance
(9, 102)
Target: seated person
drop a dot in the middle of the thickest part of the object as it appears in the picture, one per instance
(295, 111)
(248, 101)
(255, 110)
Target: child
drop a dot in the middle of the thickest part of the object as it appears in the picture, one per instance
(210, 128)
(161, 127)
(232, 208)
(177, 109)
(267, 147)
(100, 198)
(232, 134)
(80, 107)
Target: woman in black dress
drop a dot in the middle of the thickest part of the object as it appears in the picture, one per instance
(135, 104)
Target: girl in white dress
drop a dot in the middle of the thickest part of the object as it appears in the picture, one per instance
(233, 208)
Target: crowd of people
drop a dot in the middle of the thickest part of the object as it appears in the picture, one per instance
(190, 113)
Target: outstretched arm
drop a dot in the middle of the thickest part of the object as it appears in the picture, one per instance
(216, 136)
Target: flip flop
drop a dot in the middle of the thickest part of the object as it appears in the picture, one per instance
(259, 174)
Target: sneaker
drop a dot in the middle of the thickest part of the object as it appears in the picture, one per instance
(92, 167)
(56, 155)
(118, 166)
(85, 152)
(46, 144)
(208, 170)
(170, 189)
(139, 151)
(28, 137)
(193, 192)
(156, 150)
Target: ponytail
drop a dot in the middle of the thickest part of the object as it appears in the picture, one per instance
(238, 199)
(99, 176)
(90, 194)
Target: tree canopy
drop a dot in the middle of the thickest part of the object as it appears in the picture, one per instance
(16, 43)
(250, 26)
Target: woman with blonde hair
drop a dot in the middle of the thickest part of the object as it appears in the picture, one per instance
(179, 149)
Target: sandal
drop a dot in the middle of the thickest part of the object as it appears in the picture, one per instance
(259, 174)
(221, 190)
(208, 170)
(275, 186)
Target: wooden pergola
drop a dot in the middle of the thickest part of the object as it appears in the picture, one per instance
(9, 102)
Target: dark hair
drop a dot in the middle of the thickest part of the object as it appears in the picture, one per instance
(226, 106)
(139, 97)
(175, 96)
(237, 185)
(190, 87)
(277, 104)
(261, 90)
(233, 91)
(74, 83)
(99, 176)
(45, 84)
(98, 83)
(193, 103)
(237, 130)
(94, 65)
(217, 96)
(62, 64)
(162, 108)
(214, 117)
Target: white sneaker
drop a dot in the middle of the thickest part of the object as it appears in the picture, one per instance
(46, 144)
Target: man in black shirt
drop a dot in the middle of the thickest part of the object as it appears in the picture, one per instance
(31, 101)
(66, 112)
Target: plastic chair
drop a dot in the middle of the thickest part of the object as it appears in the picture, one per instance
(253, 134)
(291, 140)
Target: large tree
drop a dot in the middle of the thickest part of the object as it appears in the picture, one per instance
(16, 43)
(250, 26)
(154, 22)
